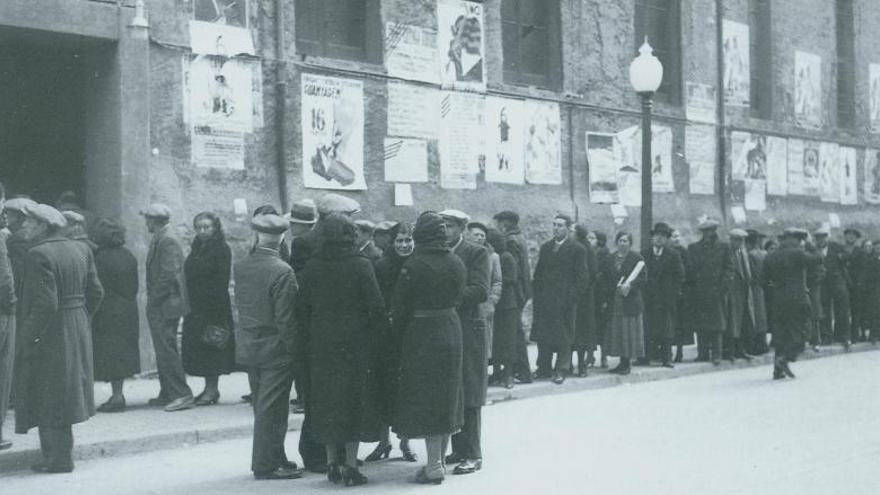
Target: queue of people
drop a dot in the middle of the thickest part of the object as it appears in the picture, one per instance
(391, 327)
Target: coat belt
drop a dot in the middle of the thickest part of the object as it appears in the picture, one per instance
(72, 302)
(431, 313)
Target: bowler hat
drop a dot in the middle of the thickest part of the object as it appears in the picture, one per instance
(662, 228)
(302, 211)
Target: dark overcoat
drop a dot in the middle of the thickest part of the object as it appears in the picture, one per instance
(115, 325)
(207, 270)
(664, 278)
(388, 270)
(708, 272)
(7, 327)
(341, 321)
(429, 376)
(475, 356)
(585, 323)
(507, 311)
(166, 290)
(301, 250)
(684, 333)
(61, 291)
(741, 298)
(559, 282)
(785, 272)
(871, 286)
(371, 252)
(516, 244)
(756, 258)
(604, 293)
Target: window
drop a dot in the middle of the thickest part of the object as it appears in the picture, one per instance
(531, 40)
(660, 21)
(761, 59)
(344, 29)
(846, 66)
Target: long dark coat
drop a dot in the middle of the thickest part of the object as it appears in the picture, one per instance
(709, 273)
(871, 286)
(388, 270)
(507, 313)
(741, 299)
(604, 293)
(684, 333)
(664, 278)
(785, 274)
(757, 257)
(475, 356)
(431, 284)
(207, 268)
(559, 282)
(585, 335)
(115, 325)
(516, 244)
(341, 322)
(61, 290)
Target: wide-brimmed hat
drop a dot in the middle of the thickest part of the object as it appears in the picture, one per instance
(302, 211)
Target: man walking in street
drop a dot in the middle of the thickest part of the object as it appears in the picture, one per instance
(166, 305)
(466, 448)
(508, 223)
(265, 287)
(834, 291)
(665, 272)
(7, 324)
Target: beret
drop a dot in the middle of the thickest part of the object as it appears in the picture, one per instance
(47, 214)
(73, 217)
(269, 224)
(302, 211)
(19, 204)
(337, 203)
(157, 210)
(708, 224)
(455, 215)
(738, 233)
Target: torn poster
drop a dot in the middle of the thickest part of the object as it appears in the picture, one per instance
(829, 173)
(755, 195)
(411, 52)
(700, 154)
(808, 89)
(701, 102)
(406, 160)
(737, 77)
(461, 41)
(748, 156)
(504, 132)
(777, 166)
(543, 142)
(220, 93)
(602, 164)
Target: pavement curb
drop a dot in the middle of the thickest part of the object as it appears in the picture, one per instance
(21, 460)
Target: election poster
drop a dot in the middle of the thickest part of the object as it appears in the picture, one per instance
(220, 93)
(413, 111)
(505, 129)
(755, 195)
(629, 172)
(829, 173)
(777, 166)
(411, 52)
(217, 148)
(332, 122)
(748, 156)
(803, 167)
(603, 165)
(406, 160)
(661, 155)
(542, 142)
(461, 139)
(808, 89)
(849, 185)
(700, 151)
(737, 77)
(701, 102)
(874, 104)
(461, 45)
(872, 176)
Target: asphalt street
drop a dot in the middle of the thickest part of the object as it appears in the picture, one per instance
(735, 432)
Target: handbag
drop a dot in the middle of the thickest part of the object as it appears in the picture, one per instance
(216, 336)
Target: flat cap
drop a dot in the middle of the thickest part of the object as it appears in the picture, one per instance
(385, 225)
(19, 204)
(755, 234)
(337, 203)
(708, 224)
(47, 214)
(740, 233)
(365, 225)
(853, 231)
(457, 215)
(302, 211)
(478, 225)
(156, 210)
(823, 230)
(796, 232)
(269, 224)
(73, 217)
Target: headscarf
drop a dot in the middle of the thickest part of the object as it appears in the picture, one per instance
(201, 246)
(430, 230)
(109, 233)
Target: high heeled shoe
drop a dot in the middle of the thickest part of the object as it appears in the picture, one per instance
(382, 451)
(204, 399)
(422, 477)
(334, 474)
(352, 477)
(408, 454)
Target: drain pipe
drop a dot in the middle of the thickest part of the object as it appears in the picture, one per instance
(281, 126)
(719, 112)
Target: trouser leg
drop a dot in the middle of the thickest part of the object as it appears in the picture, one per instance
(827, 299)
(56, 444)
(842, 324)
(703, 345)
(171, 375)
(7, 355)
(313, 454)
(717, 342)
(271, 389)
(434, 448)
(523, 367)
(545, 359)
(466, 443)
(563, 360)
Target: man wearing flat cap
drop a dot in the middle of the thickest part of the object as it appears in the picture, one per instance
(508, 223)
(337, 203)
(166, 305)
(740, 301)
(364, 230)
(708, 275)
(665, 276)
(382, 235)
(835, 289)
(265, 287)
(466, 449)
(76, 229)
(55, 384)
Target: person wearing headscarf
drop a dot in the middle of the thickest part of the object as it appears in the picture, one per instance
(341, 320)
(430, 401)
(208, 346)
(115, 326)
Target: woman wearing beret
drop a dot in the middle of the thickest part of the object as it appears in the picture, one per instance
(627, 334)
(208, 348)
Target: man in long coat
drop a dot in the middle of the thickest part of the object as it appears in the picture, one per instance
(265, 287)
(166, 305)
(466, 449)
(508, 223)
(665, 272)
(708, 274)
(757, 345)
(54, 389)
(7, 325)
(741, 299)
(834, 291)
(559, 282)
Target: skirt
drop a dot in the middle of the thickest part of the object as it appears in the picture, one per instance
(627, 333)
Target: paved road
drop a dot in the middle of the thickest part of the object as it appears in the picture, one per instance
(721, 433)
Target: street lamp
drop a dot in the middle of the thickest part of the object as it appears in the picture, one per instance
(645, 75)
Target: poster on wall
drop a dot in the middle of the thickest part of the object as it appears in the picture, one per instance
(829, 173)
(777, 166)
(217, 148)
(748, 156)
(737, 76)
(661, 150)
(874, 104)
(222, 39)
(413, 111)
(461, 139)
(602, 163)
(808, 89)
(872, 176)
(332, 122)
(700, 150)
(406, 160)
(220, 93)
(411, 52)
(629, 172)
(803, 167)
(461, 45)
(504, 140)
(701, 102)
(542, 141)
(849, 185)
(226, 12)
(755, 195)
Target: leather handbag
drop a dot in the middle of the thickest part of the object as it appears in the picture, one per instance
(216, 336)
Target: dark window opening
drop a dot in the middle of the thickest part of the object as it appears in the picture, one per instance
(761, 59)
(846, 64)
(343, 29)
(660, 22)
(531, 41)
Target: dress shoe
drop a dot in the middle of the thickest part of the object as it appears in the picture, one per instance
(289, 465)
(468, 466)
(508, 382)
(181, 403)
(582, 372)
(160, 401)
(352, 477)
(846, 346)
(702, 359)
(112, 406)
(743, 355)
(787, 371)
(282, 473)
(42, 467)
(205, 399)
(429, 478)
(778, 374)
(524, 380)
(246, 397)
(5, 444)
(558, 378)
(716, 361)
(382, 451)
(679, 355)
(542, 375)
(453, 459)
(408, 454)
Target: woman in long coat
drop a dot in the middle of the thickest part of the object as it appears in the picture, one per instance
(115, 326)
(684, 334)
(431, 286)
(207, 270)
(627, 338)
(342, 320)
(507, 312)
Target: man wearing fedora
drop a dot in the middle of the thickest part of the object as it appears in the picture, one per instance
(302, 219)
(665, 275)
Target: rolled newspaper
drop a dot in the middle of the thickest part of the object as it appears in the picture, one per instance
(632, 275)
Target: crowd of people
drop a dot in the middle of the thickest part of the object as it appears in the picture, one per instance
(391, 327)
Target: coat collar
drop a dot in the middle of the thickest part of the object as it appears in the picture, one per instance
(49, 238)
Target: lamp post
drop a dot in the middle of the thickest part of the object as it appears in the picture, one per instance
(645, 75)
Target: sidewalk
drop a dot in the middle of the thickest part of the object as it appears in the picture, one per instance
(142, 429)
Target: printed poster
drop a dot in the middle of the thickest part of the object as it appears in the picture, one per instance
(849, 188)
(737, 77)
(461, 45)
(332, 124)
(406, 160)
(461, 139)
(602, 163)
(542, 142)
(808, 89)
(504, 140)
(829, 173)
(872, 176)
(810, 168)
(411, 52)
(227, 12)
(217, 148)
(413, 111)
(755, 195)
(220, 93)
(748, 156)
(224, 40)
(629, 172)
(874, 78)
(796, 167)
(701, 102)
(661, 159)
(777, 166)
(700, 153)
